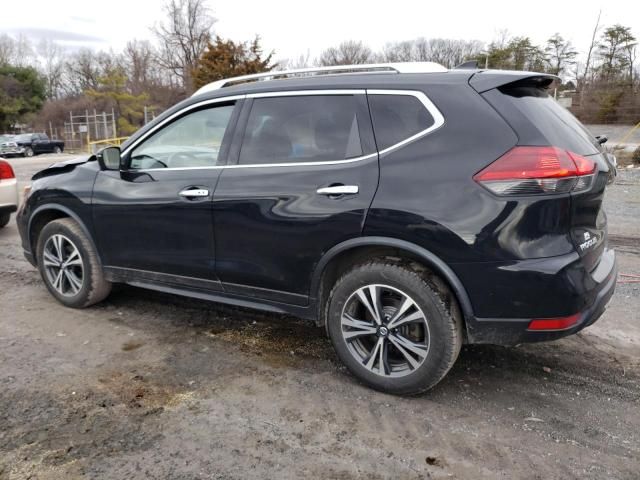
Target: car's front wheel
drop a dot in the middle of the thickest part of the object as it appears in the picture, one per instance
(4, 219)
(28, 152)
(392, 329)
(69, 265)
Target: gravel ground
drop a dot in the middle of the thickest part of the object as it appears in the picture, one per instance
(147, 385)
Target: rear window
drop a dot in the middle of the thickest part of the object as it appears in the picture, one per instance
(555, 122)
(312, 128)
(397, 117)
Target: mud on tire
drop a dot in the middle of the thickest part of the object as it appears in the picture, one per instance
(83, 284)
(417, 339)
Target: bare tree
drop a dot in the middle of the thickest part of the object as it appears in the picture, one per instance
(7, 50)
(631, 52)
(184, 37)
(404, 51)
(17, 52)
(139, 60)
(592, 46)
(301, 61)
(83, 70)
(448, 52)
(350, 52)
(52, 66)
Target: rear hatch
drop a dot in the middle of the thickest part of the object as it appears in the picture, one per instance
(539, 120)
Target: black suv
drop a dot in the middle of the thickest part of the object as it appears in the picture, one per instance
(405, 207)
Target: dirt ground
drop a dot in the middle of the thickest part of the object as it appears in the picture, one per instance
(147, 385)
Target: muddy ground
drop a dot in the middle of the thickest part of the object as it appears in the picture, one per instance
(147, 385)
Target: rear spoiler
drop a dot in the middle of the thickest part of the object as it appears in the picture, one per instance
(489, 79)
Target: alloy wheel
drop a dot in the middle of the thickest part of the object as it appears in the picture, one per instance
(385, 330)
(63, 265)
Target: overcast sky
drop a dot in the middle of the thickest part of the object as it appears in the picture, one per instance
(292, 28)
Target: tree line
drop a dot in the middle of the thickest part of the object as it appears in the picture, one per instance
(41, 83)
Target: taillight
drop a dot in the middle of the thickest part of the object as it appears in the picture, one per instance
(537, 170)
(6, 172)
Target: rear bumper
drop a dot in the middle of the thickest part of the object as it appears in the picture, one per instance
(587, 293)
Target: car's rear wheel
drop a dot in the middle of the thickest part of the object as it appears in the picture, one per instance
(4, 219)
(392, 329)
(28, 152)
(57, 150)
(69, 265)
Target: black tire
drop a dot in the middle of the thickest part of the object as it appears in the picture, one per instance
(57, 150)
(4, 219)
(94, 288)
(440, 323)
(28, 152)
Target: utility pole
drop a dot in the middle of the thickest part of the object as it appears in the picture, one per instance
(73, 134)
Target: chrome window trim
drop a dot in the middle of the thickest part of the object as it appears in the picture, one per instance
(438, 118)
(177, 114)
(264, 165)
(304, 93)
(427, 103)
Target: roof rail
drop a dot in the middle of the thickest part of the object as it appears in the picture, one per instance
(402, 67)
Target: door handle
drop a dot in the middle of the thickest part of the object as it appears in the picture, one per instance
(338, 190)
(194, 192)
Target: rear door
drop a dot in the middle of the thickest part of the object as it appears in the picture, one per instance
(305, 174)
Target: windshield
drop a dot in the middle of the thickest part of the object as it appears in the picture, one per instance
(25, 137)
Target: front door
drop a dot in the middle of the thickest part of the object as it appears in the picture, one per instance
(155, 216)
(305, 175)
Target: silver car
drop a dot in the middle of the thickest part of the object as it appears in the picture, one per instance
(8, 192)
(8, 146)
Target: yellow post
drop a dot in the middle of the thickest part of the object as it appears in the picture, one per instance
(629, 133)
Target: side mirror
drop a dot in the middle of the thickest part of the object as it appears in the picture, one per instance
(109, 158)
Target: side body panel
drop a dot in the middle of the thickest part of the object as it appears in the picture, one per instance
(272, 227)
(69, 191)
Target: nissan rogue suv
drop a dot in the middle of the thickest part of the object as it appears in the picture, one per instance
(407, 208)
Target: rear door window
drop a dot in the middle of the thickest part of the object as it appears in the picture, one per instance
(311, 128)
(397, 117)
(555, 122)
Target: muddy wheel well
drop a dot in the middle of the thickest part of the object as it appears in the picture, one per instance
(38, 223)
(359, 255)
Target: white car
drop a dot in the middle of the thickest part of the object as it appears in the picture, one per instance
(8, 192)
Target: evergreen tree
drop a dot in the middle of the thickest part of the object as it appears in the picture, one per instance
(226, 58)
